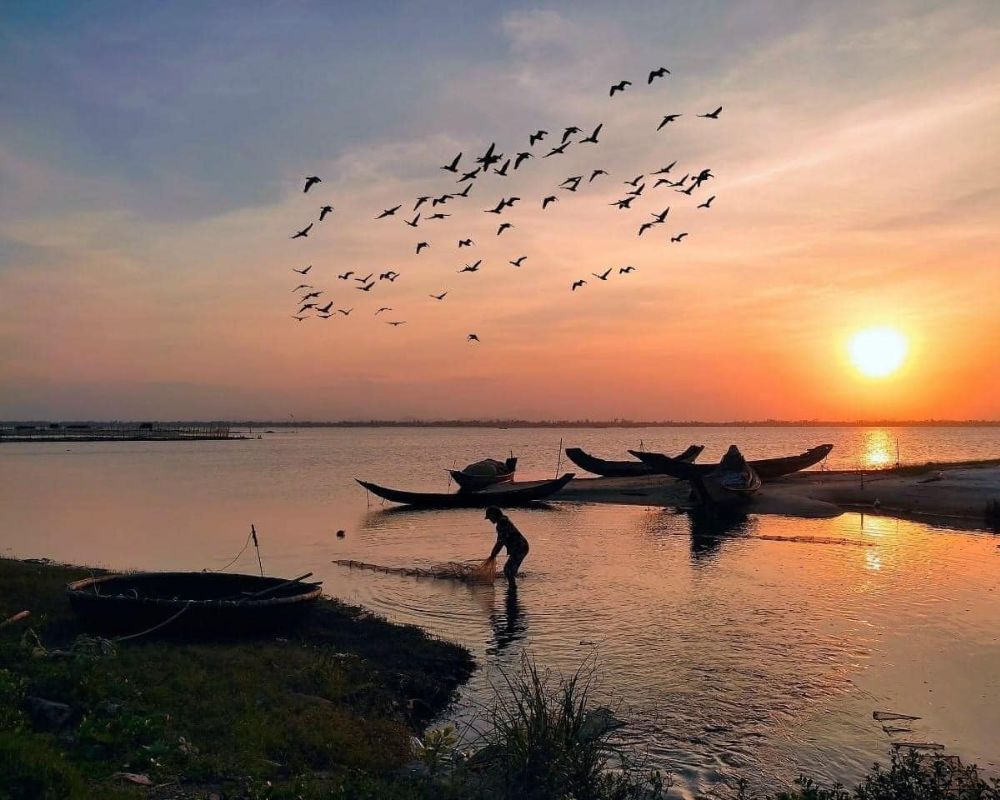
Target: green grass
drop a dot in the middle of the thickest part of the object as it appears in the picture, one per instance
(340, 698)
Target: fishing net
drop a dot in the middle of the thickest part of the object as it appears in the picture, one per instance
(465, 571)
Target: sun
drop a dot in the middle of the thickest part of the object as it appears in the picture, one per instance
(878, 352)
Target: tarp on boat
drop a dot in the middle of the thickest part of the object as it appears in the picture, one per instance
(487, 468)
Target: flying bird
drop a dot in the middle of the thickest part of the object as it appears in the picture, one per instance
(574, 181)
(678, 237)
(298, 318)
(666, 169)
(472, 338)
(324, 211)
(366, 278)
(504, 226)
(471, 267)
(518, 261)
(453, 166)
(438, 215)
(707, 203)
(366, 287)
(626, 270)
(307, 306)
(637, 191)
(593, 137)
(712, 114)
(557, 150)
(469, 176)
(619, 87)
(345, 276)
(667, 120)
(302, 286)
(464, 192)
(420, 201)
(440, 201)
(578, 284)
(657, 73)
(309, 183)
(383, 308)
(465, 242)
(595, 173)
(421, 246)
(645, 227)
(624, 203)
(550, 199)
(569, 132)
(661, 181)
(441, 296)
(521, 158)
(325, 309)
(634, 182)
(537, 136)
(689, 189)
(662, 216)
(702, 176)
(498, 209)
(311, 295)
(396, 323)
(388, 212)
(304, 271)
(345, 312)
(412, 222)
(503, 170)
(489, 158)
(390, 276)
(302, 234)
(603, 275)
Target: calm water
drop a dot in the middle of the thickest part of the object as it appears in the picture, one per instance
(758, 653)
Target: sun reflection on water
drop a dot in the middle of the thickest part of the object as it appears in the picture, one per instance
(878, 450)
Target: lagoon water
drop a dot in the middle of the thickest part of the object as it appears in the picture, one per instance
(758, 653)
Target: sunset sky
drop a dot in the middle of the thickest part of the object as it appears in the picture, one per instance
(152, 158)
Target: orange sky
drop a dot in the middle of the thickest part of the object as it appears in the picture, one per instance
(857, 172)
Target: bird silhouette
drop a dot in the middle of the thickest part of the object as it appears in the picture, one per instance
(465, 242)
(707, 203)
(578, 284)
(302, 234)
(306, 306)
(396, 323)
(311, 295)
(439, 215)
(592, 139)
(569, 132)
(678, 237)
(602, 275)
(324, 211)
(518, 261)
(635, 181)
(657, 73)
(453, 166)
(390, 276)
(345, 312)
(667, 120)
(489, 158)
(712, 114)
(574, 183)
(464, 192)
(666, 169)
(595, 173)
(304, 271)
(325, 309)
(421, 246)
(412, 222)
(388, 212)
(471, 267)
(440, 201)
(504, 226)
(345, 276)
(367, 287)
(498, 209)
(310, 181)
(324, 316)
(550, 199)
(503, 170)
(623, 204)
(661, 181)
(619, 87)
(662, 216)
(383, 308)
(537, 136)
(469, 176)
(472, 337)
(681, 181)
(702, 176)
(626, 270)
(420, 201)
(557, 150)
(441, 296)
(365, 279)
(302, 286)
(645, 227)
(521, 158)
(637, 191)
(298, 318)
(689, 189)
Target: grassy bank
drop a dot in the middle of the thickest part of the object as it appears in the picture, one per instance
(336, 700)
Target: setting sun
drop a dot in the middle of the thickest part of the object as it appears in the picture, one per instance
(878, 352)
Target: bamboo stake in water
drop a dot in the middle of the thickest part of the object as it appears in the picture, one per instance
(559, 459)
(256, 546)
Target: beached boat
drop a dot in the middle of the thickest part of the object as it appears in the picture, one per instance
(732, 480)
(192, 602)
(623, 469)
(503, 497)
(481, 474)
(768, 468)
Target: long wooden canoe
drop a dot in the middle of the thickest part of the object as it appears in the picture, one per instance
(623, 469)
(767, 468)
(504, 498)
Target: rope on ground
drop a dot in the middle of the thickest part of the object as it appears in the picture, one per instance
(156, 627)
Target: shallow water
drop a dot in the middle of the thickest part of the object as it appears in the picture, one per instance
(758, 651)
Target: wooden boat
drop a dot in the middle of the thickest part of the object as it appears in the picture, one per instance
(487, 472)
(768, 468)
(191, 602)
(730, 481)
(503, 497)
(623, 469)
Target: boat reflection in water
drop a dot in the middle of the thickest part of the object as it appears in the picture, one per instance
(710, 527)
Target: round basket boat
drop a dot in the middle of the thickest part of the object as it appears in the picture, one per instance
(190, 602)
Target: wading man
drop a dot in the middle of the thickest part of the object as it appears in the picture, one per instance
(510, 537)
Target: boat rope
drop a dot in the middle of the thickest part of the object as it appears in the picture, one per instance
(156, 627)
(242, 551)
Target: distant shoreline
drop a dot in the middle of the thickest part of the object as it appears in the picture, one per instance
(520, 423)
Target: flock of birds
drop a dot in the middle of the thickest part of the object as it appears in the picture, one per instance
(428, 209)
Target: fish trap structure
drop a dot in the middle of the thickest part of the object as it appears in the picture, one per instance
(112, 432)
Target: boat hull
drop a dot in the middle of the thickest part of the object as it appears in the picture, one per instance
(501, 497)
(768, 469)
(622, 469)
